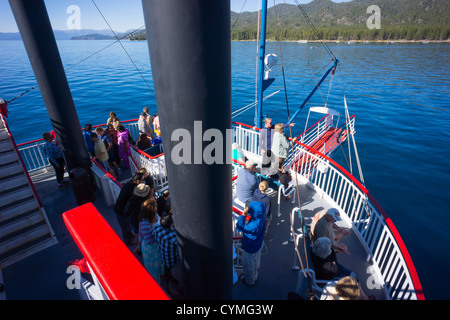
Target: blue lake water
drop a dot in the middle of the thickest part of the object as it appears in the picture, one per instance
(398, 92)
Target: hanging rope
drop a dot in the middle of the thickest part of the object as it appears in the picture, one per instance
(249, 106)
(237, 18)
(115, 35)
(23, 93)
(302, 10)
(79, 62)
(104, 48)
(307, 275)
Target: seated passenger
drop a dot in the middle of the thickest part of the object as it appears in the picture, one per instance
(323, 225)
(246, 183)
(346, 288)
(237, 153)
(143, 142)
(325, 261)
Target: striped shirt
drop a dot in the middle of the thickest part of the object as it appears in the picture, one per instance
(168, 245)
(145, 232)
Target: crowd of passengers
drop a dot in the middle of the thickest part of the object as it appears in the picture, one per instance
(110, 146)
(147, 222)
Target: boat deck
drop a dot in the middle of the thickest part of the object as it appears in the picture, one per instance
(276, 277)
(43, 276)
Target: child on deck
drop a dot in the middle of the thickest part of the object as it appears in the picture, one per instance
(101, 154)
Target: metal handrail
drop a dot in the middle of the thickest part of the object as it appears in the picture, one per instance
(373, 227)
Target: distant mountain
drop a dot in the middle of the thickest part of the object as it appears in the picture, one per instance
(94, 36)
(400, 19)
(59, 34)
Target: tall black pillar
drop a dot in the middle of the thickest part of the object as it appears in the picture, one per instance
(37, 35)
(190, 53)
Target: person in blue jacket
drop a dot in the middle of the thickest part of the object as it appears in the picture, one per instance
(252, 225)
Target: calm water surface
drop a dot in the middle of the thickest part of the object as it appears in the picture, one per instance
(398, 92)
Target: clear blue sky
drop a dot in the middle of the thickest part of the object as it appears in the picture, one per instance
(122, 15)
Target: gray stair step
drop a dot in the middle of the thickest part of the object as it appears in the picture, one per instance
(9, 169)
(23, 239)
(19, 254)
(3, 134)
(6, 145)
(13, 182)
(21, 208)
(15, 197)
(8, 157)
(16, 227)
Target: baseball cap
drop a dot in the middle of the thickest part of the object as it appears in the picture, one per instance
(334, 213)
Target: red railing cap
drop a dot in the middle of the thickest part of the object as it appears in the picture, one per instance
(121, 275)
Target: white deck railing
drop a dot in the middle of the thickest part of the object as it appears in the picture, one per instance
(35, 159)
(392, 266)
(156, 167)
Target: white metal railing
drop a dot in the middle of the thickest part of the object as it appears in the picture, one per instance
(106, 184)
(338, 187)
(155, 166)
(35, 159)
(389, 265)
(246, 138)
(311, 135)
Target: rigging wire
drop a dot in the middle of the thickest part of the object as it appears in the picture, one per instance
(237, 18)
(112, 43)
(296, 182)
(249, 106)
(313, 27)
(79, 62)
(115, 35)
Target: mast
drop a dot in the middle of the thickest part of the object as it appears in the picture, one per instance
(262, 51)
(190, 53)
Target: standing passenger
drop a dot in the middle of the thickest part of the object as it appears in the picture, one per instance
(55, 157)
(280, 145)
(124, 145)
(113, 120)
(147, 243)
(149, 121)
(101, 154)
(87, 137)
(252, 239)
(121, 208)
